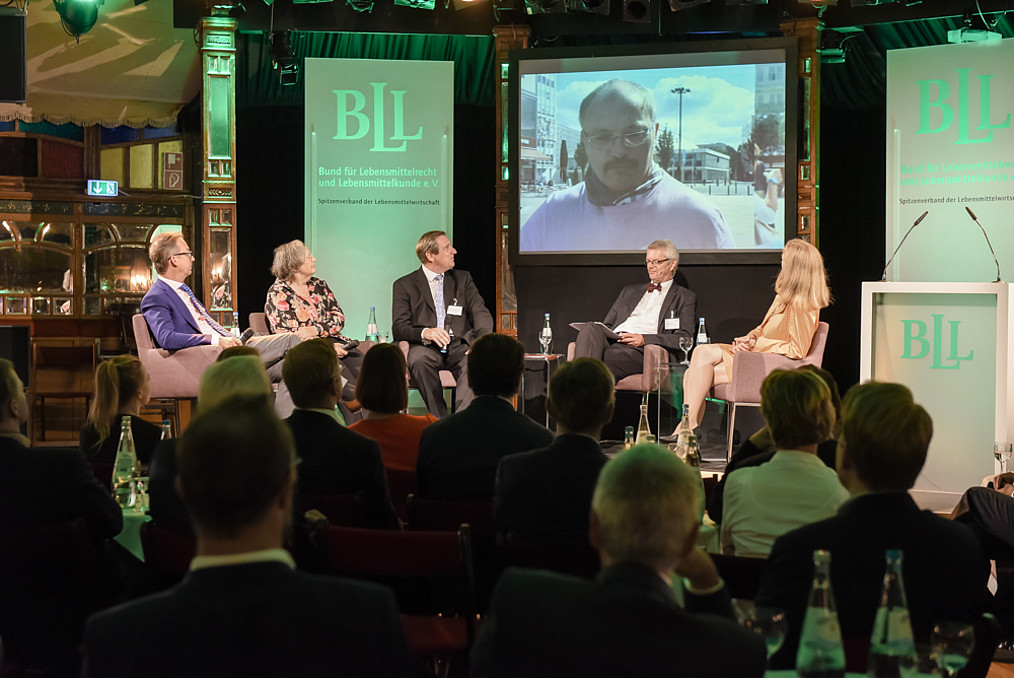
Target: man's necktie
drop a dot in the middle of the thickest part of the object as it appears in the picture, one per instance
(653, 287)
(204, 313)
(439, 299)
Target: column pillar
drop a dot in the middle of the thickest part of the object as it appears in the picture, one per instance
(807, 31)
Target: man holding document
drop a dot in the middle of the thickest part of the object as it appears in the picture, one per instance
(657, 313)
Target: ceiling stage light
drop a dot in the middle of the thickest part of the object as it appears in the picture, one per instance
(77, 16)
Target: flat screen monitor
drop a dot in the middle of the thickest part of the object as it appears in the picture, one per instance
(613, 148)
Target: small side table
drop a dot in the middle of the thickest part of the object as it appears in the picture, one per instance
(532, 389)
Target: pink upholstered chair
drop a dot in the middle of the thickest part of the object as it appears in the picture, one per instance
(749, 371)
(174, 376)
(446, 378)
(259, 323)
(647, 380)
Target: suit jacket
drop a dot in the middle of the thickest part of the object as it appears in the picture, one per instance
(165, 508)
(458, 455)
(49, 484)
(258, 619)
(680, 301)
(412, 307)
(943, 565)
(546, 494)
(336, 460)
(625, 622)
(169, 318)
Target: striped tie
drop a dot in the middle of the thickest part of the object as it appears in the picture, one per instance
(204, 313)
(439, 300)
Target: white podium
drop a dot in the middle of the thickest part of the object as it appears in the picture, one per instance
(951, 344)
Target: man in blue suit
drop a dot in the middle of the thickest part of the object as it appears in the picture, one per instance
(178, 320)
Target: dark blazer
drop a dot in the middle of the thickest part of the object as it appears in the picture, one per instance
(165, 508)
(260, 619)
(336, 460)
(169, 318)
(412, 307)
(146, 436)
(625, 622)
(943, 566)
(458, 455)
(546, 494)
(50, 484)
(679, 301)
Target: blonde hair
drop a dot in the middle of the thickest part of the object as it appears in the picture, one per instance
(242, 375)
(117, 380)
(646, 503)
(427, 244)
(803, 275)
(288, 258)
(161, 249)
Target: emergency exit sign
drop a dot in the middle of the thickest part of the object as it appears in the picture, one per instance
(104, 188)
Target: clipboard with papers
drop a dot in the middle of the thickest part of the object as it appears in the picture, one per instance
(605, 329)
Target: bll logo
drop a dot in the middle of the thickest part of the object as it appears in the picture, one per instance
(917, 345)
(354, 110)
(947, 111)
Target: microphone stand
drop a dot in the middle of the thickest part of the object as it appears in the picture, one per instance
(883, 277)
(995, 260)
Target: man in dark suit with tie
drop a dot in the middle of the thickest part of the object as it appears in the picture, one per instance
(627, 621)
(179, 320)
(335, 460)
(882, 447)
(428, 305)
(659, 312)
(243, 609)
(545, 494)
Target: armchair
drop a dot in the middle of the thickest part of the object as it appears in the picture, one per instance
(647, 380)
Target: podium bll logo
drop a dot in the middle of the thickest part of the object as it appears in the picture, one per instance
(918, 345)
(942, 90)
(354, 124)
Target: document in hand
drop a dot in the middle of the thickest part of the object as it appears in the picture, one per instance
(605, 328)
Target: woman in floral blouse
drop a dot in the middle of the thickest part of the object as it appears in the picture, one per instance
(301, 303)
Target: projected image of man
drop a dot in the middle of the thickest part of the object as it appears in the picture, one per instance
(626, 200)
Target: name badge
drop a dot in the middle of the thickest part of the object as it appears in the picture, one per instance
(454, 310)
(672, 323)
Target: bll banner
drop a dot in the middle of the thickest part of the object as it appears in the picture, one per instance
(378, 173)
(950, 147)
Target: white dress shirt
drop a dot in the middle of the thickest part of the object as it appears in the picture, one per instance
(644, 318)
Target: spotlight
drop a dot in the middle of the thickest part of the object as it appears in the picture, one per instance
(360, 5)
(637, 11)
(283, 58)
(677, 5)
(832, 44)
(545, 7)
(77, 16)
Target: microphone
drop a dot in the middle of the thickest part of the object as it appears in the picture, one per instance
(350, 344)
(247, 333)
(883, 276)
(995, 260)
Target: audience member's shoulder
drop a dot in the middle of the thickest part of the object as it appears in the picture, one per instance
(517, 580)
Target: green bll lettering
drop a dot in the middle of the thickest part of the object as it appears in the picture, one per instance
(359, 103)
(938, 349)
(399, 117)
(919, 336)
(947, 113)
(984, 97)
(954, 343)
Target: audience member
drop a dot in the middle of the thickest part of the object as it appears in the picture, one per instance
(383, 392)
(881, 450)
(335, 460)
(243, 610)
(546, 494)
(429, 304)
(234, 377)
(42, 611)
(759, 448)
(121, 388)
(795, 487)
(626, 622)
(458, 455)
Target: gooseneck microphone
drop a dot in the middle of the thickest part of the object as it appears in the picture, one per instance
(883, 276)
(995, 260)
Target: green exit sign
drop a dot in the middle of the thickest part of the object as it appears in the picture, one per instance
(103, 188)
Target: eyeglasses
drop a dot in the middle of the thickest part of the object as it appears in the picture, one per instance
(655, 262)
(630, 139)
(188, 253)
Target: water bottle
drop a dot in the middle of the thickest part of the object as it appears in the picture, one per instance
(643, 428)
(546, 336)
(892, 648)
(702, 334)
(821, 654)
(124, 489)
(167, 430)
(693, 460)
(371, 326)
(235, 325)
(685, 431)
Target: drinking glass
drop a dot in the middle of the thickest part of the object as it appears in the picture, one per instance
(685, 344)
(141, 483)
(952, 642)
(1002, 453)
(769, 623)
(545, 339)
